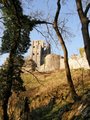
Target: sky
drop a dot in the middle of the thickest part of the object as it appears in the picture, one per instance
(48, 8)
(68, 12)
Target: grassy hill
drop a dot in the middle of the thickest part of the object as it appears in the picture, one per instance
(49, 92)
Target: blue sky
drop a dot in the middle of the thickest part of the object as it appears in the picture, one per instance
(48, 8)
(69, 12)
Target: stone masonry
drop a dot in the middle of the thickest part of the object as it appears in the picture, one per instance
(39, 51)
(45, 61)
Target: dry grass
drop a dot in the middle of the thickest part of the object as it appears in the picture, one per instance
(42, 87)
(46, 82)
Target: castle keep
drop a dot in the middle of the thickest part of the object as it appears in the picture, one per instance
(39, 51)
(45, 61)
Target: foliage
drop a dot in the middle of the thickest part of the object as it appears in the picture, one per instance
(81, 50)
(17, 83)
(15, 21)
(16, 41)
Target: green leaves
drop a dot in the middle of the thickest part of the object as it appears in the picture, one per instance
(15, 41)
(15, 21)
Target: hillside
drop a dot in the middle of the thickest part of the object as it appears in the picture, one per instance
(50, 97)
(47, 97)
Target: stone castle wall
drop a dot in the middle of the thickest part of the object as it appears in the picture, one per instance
(52, 62)
(56, 62)
(78, 62)
(44, 61)
(39, 51)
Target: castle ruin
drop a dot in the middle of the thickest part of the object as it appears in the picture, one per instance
(46, 61)
(39, 51)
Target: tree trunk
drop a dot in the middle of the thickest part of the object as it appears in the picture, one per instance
(85, 30)
(67, 68)
(86, 39)
(4, 108)
(10, 74)
(9, 87)
(26, 111)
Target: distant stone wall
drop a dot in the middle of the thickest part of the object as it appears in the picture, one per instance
(56, 62)
(43, 60)
(77, 62)
(52, 62)
(62, 66)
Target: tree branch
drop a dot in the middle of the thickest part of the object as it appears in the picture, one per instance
(40, 22)
(16, 12)
(80, 11)
(67, 68)
(57, 12)
(4, 2)
(33, 76)
(56, 42)
(40, 33)
(87, 9)
(2, 22)
(2, 17)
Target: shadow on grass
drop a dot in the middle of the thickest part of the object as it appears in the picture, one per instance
(66, 111)
(43, 113)
(50, 111)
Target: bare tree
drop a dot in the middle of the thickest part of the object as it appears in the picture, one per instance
(67, 68)
(83, 15)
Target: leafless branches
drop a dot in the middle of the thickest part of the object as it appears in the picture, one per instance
(87, 9)
(85, 26)
(33, 76)
(64, 48)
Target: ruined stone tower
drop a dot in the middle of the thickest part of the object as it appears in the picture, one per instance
(39, 51)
